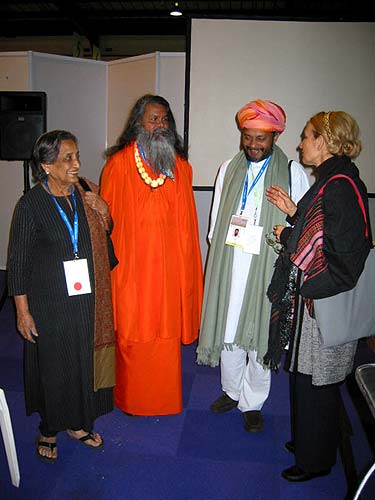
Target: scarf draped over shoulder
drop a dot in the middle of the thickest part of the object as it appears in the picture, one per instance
(252, 329)
(104, 339)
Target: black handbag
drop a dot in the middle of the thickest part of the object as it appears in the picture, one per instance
(113, 260)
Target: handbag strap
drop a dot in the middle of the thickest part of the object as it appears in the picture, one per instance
(359, 197)
(84, 184)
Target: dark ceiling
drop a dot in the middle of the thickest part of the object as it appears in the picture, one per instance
(25, 18)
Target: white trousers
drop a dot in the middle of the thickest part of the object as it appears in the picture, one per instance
(244, 379)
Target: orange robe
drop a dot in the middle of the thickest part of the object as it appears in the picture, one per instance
(157, 285)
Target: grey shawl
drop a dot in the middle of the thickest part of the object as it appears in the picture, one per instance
(253, 324)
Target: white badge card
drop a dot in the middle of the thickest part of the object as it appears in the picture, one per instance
(252, 239)
(77, 277)
(236, 231)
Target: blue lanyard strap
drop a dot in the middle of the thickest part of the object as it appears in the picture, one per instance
(246, 191)
(168, 173)
(73, 231)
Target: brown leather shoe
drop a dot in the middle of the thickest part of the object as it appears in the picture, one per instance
(253, 421)
(223, 403)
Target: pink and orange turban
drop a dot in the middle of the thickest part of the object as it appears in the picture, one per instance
(262, 115)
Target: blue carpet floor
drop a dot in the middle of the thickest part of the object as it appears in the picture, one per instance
(196, 455)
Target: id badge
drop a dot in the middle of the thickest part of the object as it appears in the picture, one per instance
(252, 239)
(77, 277)
(236, 231)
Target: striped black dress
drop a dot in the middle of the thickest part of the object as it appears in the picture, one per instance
(58, 369)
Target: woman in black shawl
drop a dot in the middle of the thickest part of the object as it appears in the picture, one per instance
(324, 254)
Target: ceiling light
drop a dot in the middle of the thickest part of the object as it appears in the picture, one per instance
(176, 11)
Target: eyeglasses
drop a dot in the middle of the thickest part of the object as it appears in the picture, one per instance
(271, 241)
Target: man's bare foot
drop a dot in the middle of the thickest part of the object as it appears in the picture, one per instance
(90, 439)
(46, 448)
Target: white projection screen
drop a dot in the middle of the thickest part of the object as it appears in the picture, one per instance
(305, 67)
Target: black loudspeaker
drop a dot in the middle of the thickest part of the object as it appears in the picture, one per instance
(22, 120)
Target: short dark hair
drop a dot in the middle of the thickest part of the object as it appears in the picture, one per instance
(130, 132)
(46, 150)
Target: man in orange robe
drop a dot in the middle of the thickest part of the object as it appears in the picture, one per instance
(157, 285)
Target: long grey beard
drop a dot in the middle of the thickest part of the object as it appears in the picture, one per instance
(158, 147)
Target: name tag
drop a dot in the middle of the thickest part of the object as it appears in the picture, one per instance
(252, 239)
(77, 277)
(244, 235)
(236, 231)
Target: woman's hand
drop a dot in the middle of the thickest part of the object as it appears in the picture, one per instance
(25, 322)
(97, 203)
(277, 230)
(281, 199)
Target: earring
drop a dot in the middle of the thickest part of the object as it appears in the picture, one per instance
(47, 172)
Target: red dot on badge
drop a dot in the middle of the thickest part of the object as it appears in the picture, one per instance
(77, 285)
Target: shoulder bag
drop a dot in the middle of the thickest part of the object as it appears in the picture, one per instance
(350, 315)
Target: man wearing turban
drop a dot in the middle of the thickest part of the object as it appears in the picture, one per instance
(236, 312)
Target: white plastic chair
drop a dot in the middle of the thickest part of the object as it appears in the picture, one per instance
(365, 376)
(8, 438)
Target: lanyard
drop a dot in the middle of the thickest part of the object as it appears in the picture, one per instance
(246, 191)
(73, 231)
(163, 171)
(143, 154)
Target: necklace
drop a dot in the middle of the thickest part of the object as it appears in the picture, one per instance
(154, 183)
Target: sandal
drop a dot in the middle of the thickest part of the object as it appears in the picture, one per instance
(45, 444)
(85, 438)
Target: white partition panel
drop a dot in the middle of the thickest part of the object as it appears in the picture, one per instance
(128, 79)
(171, 84)
(76, 101)
(160, 73)
(14, 76)
(303, 66)
(203, 202)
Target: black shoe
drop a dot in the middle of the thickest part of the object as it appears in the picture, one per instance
(223, 403)
(298, 475)
(253, 421)
(289, 446)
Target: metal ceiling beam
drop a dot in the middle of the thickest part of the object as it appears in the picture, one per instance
(66, 17)
(80, 25)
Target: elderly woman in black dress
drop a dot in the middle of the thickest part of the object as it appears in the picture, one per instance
(59, 275)
(327, 244)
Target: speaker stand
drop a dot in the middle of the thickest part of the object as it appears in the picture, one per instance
(26, 179)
